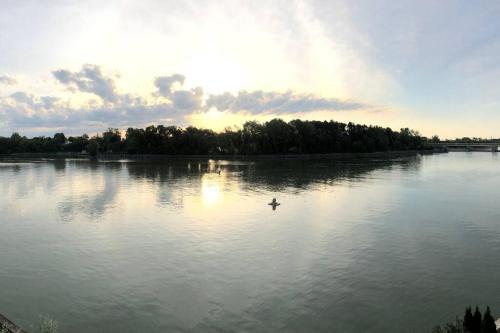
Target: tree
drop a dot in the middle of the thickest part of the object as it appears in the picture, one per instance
(76, 143)
(93, 147)
(16, 143)
(476, 321)
(273, 137)
(488, 322)
(59, 138)
(468, 320)
(111, 140)
(251, 135)
(278, 135)
(455, 327)
(472, 323)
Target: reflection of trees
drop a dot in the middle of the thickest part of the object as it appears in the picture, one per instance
(165, 171)
(29, 174)
(95, 204)
(13, 167)
(173, 179)
(275, 175)
(59, 164)
(302, 174)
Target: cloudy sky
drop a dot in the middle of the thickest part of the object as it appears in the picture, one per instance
(83, 66)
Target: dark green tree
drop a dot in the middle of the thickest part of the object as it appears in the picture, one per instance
(93, 147)
(273, 137)
(468, 320)
(456, 327)
(488, 324)
(476, 321)
(111, 141)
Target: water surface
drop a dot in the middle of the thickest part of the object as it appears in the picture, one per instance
(357, 245)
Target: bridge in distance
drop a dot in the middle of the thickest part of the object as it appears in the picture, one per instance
(466, 146)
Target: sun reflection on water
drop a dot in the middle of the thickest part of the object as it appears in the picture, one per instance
(211, 193)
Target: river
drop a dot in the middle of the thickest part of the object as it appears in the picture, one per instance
(367, 244)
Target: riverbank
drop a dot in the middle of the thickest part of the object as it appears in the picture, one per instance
(112, 156)
(8, 326)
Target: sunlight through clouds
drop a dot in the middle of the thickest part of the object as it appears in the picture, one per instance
(412, 58)
(96, 104)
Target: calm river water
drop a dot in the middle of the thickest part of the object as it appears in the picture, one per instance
(357, 245)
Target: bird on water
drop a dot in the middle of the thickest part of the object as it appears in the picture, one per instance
(274, 203)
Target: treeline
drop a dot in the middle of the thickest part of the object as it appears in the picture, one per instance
(471, 323)
(272, 137)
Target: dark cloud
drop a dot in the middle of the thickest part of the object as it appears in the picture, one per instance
(24, 111)
(22, 97)
(165, 83)
(89, 79)
(181, 99)
(187, 100)
(277, 103)
(8, 80)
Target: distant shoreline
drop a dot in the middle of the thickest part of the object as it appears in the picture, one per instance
(118, 156)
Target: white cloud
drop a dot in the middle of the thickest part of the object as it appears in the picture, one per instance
(89, 79)
(259, 101)
(24, 112)
(8, 80)
(171, 103)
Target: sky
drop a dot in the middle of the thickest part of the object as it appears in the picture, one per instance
(84, 66)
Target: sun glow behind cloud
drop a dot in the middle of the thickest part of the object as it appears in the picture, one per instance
(221, 47)
(407, 65)
(98, 104)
